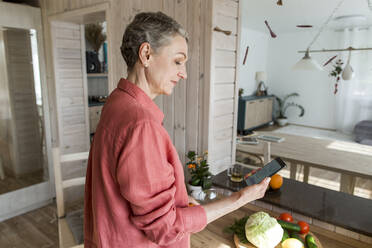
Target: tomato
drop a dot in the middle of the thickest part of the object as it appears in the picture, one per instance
(304, 227)
(286, 217)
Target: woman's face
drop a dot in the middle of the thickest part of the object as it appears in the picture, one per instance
(167, 66)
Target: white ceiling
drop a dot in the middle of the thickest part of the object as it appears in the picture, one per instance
(283, 19)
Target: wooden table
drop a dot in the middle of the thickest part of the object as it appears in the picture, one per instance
(213, 235)
(349, 158)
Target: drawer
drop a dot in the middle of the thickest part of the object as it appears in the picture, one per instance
(95, 111)
(94, 116)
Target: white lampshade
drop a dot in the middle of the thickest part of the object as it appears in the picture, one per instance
(261, 76)
(307, 63)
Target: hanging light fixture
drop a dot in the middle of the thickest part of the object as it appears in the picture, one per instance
(307, 63)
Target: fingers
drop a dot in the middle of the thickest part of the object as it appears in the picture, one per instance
(266, 181)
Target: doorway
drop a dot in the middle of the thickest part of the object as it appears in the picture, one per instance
(81, 84)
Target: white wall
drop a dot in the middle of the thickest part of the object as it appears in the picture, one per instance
(276, 57)
(258, 43)
(315, 87)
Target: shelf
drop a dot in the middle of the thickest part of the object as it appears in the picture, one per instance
(99, 75)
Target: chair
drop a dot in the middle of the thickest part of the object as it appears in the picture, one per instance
(70, 226)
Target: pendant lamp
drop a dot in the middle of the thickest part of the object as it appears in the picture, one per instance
(307, 64)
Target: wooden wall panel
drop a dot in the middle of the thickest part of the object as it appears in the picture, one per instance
(192, 83)
(224, 91)
(168, 101)
(222, 130)
(180, 92)
(224, 107)
(225, 58)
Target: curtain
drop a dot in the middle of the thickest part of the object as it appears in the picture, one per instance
(354, 97)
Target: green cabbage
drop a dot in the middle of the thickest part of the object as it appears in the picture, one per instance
(263, 231)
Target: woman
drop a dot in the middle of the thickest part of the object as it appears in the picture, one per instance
(135, 194)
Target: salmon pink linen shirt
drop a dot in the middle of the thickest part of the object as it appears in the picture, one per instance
(135, 195)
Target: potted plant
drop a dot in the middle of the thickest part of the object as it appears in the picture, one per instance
(95, 37)
(201, 178)
(283, 106)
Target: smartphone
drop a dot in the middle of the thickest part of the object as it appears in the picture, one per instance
(268, 170)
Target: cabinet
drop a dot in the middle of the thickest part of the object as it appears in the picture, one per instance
(254, 112)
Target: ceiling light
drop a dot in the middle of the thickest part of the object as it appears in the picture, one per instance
(307, 64)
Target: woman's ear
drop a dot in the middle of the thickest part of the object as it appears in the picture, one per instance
(144, 53)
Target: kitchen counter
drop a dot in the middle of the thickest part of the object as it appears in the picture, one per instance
(94, 103)
(333, 207)
(213, 236)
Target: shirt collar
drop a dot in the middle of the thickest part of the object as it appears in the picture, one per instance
(139, 95)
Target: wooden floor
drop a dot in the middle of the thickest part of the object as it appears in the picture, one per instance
(10, 183)
(36, 229)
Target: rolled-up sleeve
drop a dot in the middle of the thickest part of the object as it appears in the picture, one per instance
(147, 182)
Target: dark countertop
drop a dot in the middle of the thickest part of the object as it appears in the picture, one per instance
(337, 208)
(92, 104)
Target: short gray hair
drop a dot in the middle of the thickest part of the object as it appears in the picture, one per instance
(156, 28)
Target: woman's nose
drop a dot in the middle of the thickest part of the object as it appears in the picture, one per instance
(182, 74)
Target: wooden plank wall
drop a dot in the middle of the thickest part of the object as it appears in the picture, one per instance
(223, 86)
(185, 111)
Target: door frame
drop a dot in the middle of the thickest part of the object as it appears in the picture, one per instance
(35, 196)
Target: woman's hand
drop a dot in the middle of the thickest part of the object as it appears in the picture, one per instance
(219, 208)
(253, 192)
(192, 201)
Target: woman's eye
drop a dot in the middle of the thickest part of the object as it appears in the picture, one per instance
(178, 63)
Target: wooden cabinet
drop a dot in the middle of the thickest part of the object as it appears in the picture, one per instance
(254, 112)
(94, 115)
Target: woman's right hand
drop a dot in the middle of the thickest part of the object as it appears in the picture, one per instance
(219, 208)
(253, 192)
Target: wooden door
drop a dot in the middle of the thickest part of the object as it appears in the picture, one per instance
(71, 86)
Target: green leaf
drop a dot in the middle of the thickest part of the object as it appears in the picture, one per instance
(292, 104)
(195, 182)
(191, 155)
(207, 184)
(238, 228)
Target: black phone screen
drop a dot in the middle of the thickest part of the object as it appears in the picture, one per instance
(267, 171)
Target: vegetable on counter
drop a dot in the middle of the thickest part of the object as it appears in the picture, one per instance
(297, 236)
(238, 228)
(263, 231)
(304, 227)
(292, 243)
(289, 226)
(310, 241)
(285, 235)
(286, 217)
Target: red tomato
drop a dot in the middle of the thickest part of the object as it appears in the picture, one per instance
(286, 217)
(304, 227)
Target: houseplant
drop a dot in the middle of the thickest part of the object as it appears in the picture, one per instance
(201, 178)
(95, 36)
(283, 106)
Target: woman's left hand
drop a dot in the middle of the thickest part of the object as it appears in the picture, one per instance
(192, 201)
